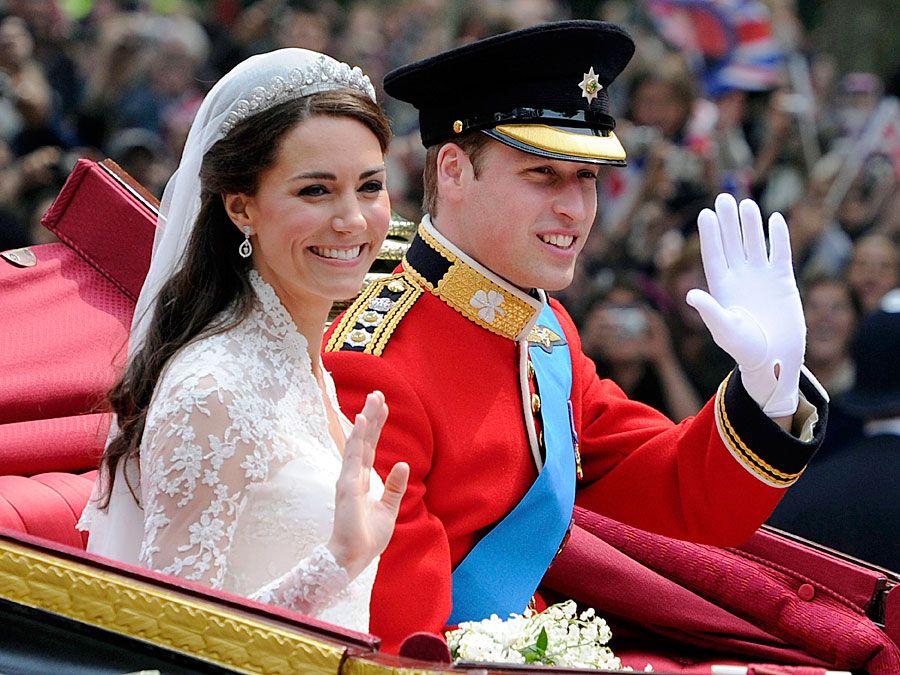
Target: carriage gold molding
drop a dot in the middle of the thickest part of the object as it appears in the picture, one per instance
(362, 666)
(143, 611)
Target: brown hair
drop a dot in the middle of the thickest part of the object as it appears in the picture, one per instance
(472, 143)
(211, 261)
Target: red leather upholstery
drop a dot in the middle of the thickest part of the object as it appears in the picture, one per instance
(64, 335)
(63, 342)
(60, 354)
(47, 505)
(70, 443)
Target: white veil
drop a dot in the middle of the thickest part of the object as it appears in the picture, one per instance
(252, 86)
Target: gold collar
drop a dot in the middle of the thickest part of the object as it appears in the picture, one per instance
(469, 287)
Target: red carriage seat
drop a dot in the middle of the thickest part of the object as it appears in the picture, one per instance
(67, 313)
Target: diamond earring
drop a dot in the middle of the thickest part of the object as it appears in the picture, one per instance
(246, 248)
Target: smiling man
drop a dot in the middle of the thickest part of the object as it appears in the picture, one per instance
(503, 420)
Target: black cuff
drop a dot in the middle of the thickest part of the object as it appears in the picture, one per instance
(757, 442)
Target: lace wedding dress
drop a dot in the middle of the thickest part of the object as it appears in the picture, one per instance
(238, 472)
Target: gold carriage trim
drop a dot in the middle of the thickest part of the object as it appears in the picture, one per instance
(369, 322)
(145, 612)
(379, 665)
(473, 295)
(401, 228)
(744, 454)
(392, 250)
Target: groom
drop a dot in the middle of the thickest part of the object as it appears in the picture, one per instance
(501, 417)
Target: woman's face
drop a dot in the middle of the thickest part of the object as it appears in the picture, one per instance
(830, 321)
(321, 211)
(873, 270)
(16, 44)
(656, 104)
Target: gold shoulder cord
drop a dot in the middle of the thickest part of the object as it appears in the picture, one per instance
(370, 321)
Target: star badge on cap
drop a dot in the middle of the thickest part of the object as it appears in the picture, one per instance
(590, 86)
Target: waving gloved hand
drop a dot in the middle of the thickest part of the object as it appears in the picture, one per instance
(753, 307)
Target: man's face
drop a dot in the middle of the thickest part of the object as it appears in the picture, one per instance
(525, 218)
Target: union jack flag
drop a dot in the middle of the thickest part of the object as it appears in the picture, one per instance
(729, 43)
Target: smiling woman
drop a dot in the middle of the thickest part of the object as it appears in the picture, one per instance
(229, 441)
(316, 232)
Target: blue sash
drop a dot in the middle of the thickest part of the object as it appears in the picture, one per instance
(500, 575)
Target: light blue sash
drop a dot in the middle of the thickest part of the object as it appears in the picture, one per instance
(502, 572)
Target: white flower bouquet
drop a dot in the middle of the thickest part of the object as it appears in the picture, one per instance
(555, 637)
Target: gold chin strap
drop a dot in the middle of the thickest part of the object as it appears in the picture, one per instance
(559, 141)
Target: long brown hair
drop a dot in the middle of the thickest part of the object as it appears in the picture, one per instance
(211, 261)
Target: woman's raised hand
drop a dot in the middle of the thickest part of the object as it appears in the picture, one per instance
(363, 526)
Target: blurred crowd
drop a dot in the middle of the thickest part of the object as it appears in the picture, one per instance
(733, 95)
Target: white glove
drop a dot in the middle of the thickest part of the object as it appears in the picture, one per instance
(753, 307)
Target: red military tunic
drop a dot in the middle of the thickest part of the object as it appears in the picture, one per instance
(446, 341)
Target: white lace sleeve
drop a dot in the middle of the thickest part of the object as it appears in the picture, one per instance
(205, 444)
(310, 587)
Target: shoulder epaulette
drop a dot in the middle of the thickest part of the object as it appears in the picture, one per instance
(369, 322)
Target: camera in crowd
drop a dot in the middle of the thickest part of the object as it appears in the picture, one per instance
(630, 322)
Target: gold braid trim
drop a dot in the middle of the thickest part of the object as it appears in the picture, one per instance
(384, 332)
(146, 612)
(459, 285)
(350, 326)
(753, 461)
(348, 320)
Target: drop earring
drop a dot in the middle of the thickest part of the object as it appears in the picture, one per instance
(246, 248)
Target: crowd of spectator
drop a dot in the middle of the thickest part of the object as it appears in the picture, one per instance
(123, 79)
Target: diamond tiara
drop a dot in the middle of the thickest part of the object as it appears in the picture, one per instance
(325, 74)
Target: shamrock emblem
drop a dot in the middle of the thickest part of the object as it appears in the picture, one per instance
(488, 305)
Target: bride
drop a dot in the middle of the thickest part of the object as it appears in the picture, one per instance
(230, 463)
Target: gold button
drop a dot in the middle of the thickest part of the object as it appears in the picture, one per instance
(396, 286)
(541, 438)
(535, 403)
(458, 126)
(530, 370)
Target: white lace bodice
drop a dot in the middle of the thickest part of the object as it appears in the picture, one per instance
(238, 470)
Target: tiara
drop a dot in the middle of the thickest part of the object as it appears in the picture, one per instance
(324, 74)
